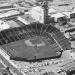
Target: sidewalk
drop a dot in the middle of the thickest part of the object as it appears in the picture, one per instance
(10, 66)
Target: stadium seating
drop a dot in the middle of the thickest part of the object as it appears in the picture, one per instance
(29, 30)
(44, 27)
(44, 35)
(5, 38)
(50, 40)
(3, 41)
(1, 36)
(63, 42)
(10, 34)
(50, 29)
(33, 25)
(39, 27)
(20, 33)
(34, 29)
(48, 32)
(25, 32)
(28, 27)
(14, 35)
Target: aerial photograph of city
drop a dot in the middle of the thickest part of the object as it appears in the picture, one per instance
(37, 37)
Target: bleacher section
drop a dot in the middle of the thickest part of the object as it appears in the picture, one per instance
(15, 32)
(52, 36)
(62, 40)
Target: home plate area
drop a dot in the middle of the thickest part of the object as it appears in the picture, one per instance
(35, 42)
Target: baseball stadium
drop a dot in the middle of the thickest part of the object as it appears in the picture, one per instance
(33, 42)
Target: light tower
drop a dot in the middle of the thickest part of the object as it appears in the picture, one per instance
(45, 8)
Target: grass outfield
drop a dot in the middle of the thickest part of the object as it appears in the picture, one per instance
(21, 49)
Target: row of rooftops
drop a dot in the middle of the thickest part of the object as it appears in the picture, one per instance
(52, 12)
(29, 16)
(57, 14)
(39, 12)
(9, 13)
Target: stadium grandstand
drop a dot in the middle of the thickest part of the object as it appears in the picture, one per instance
(33, 42)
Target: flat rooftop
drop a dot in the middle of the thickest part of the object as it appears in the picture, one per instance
(28, 18)
(12, 23)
